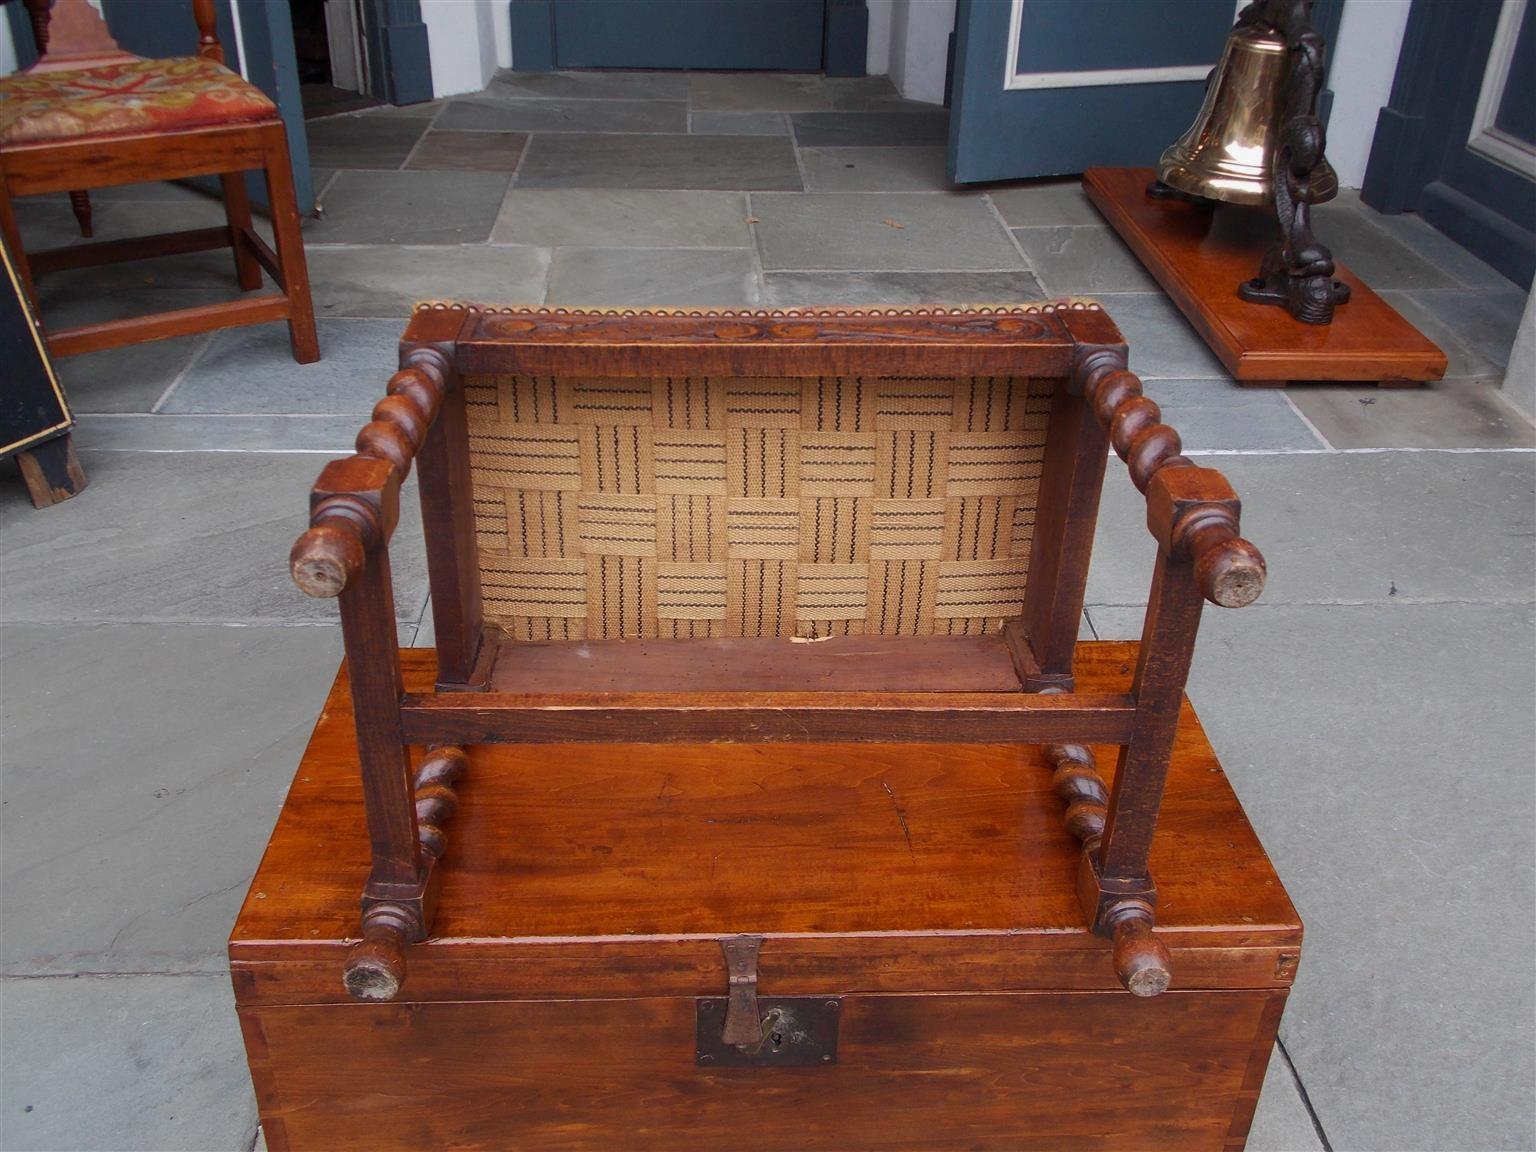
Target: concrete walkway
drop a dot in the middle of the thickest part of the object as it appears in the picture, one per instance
(160, 673)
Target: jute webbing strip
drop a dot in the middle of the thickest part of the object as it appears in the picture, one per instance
(693, 507)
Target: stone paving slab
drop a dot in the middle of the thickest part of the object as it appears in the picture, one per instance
(902, 169)
(717, 162)
(252, 370)
(1083, 260)
(1373, 254)
(1462, 362)
(661, 277)
(623, 218)
(409, 208)
(386, 280)
(1388, 773)
(891, 231)
(179, 537)
(1378, 528)
(1445, 414)
(359, 141)
(453, 151)
(1440, 250)
(603, 85)
(123, 850)
(128, 379)
(1044, 204)
(1282, 1122)
(45, 222)
(165, 432)
(124, 1062)
(1217, 414)
(758, 92)
(738, 123)
(912, 126)
(1162, 343)
(789, 289)
(567, 115)
(1485, 321)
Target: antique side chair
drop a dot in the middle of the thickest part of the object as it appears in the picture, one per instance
(800, 526)
(89, 115)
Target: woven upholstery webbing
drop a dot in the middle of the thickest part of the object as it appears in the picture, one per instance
(692, 507)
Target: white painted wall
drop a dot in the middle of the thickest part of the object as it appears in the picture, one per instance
(463, 44)
(877, 53)
(919, 47)
(501, 26)
(1362, 64)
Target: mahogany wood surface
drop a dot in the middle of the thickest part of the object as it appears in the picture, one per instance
(1192, 513)
(1027, 340)
(645, 851)
(1199, 258)
(919, 1073)
(585, 890)
(758, 664)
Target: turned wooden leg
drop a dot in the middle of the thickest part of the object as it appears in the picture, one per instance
(52, 471)
(11, 234)
(80, 202)
(237, 210)
(1140, 958)
(290, 248)
(375, 967)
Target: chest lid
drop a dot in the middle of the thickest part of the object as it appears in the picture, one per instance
(614, 870)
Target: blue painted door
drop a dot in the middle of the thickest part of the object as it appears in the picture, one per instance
(779, 35)
(1051, 87)
(1457, 144)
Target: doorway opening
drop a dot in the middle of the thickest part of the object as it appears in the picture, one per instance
(332, 57)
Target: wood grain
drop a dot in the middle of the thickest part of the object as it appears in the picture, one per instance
(1199, 258)
(649, 853)
(758, 664)
(1029, 340)
(921, 1073)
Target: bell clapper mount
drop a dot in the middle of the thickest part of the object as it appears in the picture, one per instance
(1261, 104)
(1297, 273)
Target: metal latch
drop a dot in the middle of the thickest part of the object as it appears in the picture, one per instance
(741, 1019)
(742, 1030)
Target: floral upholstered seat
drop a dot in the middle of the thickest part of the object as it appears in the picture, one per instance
(119, 99)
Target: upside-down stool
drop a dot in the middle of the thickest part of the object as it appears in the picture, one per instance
(753, 790)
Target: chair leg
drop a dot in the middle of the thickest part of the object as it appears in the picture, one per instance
(81, 203)
(290, 248)
(18, 256)
(237, 210)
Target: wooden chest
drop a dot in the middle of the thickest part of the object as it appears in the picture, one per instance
(922, 971)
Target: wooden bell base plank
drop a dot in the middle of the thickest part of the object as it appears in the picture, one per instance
(928, 890)
(1200, 257)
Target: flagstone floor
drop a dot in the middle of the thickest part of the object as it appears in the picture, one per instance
(159, 674)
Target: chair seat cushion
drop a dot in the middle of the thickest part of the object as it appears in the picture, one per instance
(168, 95)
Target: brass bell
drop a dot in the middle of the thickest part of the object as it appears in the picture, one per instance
(1228, 152)
(1257, 140)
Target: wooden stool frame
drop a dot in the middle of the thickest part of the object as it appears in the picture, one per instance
(1192, 513)
(225, 150)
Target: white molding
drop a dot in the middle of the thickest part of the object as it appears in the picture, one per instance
(1015, 81)
(234, 18)
(1485, 138)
